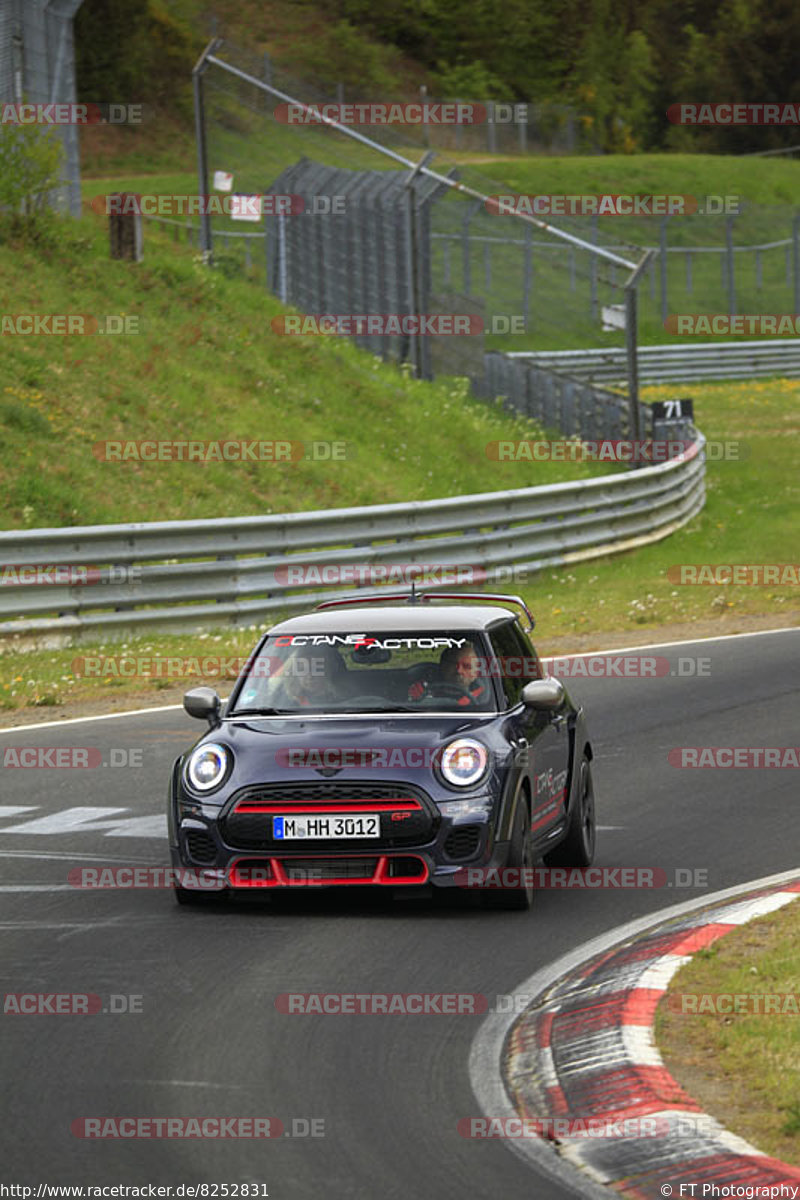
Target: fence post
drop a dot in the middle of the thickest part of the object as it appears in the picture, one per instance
(202, 152)
(267, 76)
(491, 128)
(522, 127)
(730, 272)
(413, 264)
(593, 267)
(125, 230)
(282, 288)
(663, 269)
(528, 279)
(796, 260)
(465, 251)
(631, 339)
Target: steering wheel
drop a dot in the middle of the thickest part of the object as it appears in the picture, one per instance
(449, 690)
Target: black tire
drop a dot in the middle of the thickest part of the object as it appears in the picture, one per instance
(577, 848)
(516, 899)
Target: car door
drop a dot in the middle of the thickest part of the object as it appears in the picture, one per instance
(541, 737)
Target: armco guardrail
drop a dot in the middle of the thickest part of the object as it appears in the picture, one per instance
(675, 364)
(555, 399)
(202, 574)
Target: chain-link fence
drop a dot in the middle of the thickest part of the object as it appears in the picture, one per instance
(37, 65)
(746, 262)
(372, 226)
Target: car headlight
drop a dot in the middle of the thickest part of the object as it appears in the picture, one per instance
(464, 762)
(207, 767)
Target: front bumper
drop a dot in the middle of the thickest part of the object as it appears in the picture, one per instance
(233, 845)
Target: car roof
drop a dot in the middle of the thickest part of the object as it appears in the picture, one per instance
(384, 618)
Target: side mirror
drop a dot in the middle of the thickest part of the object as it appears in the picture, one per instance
(543, 693)
(204, 703)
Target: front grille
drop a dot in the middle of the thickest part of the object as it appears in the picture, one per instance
(463, 842)
(200, 845)
(325, 793)
(407, 815)
(335, 868)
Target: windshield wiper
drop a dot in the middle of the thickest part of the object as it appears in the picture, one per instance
(257, 712)
(388, 708)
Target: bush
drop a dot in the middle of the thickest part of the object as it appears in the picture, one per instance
(30, 166)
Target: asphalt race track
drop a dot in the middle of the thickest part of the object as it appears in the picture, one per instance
(391, 1089)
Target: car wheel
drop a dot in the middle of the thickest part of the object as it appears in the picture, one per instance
(516, 899)
(577, 848)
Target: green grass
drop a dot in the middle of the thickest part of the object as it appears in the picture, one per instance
(742, 1068)
(762, 181)
(208, 366)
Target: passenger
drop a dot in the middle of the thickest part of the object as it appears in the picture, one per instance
(312, 676)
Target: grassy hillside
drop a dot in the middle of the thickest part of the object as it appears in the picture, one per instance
(205, 366)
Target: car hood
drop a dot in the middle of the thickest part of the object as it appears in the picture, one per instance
(378, 731)
(276, 749)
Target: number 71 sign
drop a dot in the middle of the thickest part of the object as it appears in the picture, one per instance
(673, 410)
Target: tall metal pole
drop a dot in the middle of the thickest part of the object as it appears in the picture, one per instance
(730, 274)
(631, 340)
(796, 260)
(412, 262)
(663, 269)
(202, 153)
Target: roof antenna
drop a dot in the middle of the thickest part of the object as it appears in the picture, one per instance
(412, 599)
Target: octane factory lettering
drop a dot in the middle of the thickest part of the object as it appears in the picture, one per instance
(360, 640)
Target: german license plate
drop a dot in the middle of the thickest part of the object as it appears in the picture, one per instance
(363, 825)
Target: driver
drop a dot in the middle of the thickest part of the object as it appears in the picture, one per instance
(459, 668)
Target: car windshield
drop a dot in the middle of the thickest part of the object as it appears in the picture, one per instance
(368, 672)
